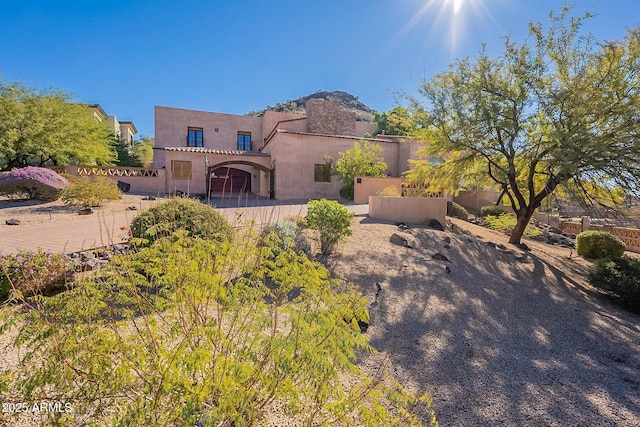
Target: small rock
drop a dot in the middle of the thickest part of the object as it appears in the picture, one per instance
(501, 246)
(446, 246)
(440, 257)
(435, 224)
(132, 208)
(148, 198)
(447, 239)
(447, 269)
(85, 211)
(491, 244)
(12, 221)
(396, 239)
(90, 264)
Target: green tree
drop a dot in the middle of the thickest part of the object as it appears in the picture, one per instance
(40, 127)
(559, 110)
(365, 161)
(143, 150)
(398, 121)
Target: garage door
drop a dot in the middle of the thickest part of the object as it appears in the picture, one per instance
(230, 180)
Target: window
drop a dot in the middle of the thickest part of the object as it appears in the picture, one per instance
(322, 173)
(194, 137)
(244, 141)
(180, 169)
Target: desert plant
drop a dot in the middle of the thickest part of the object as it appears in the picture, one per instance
(90, 191)
(506, 222)
(290, 235)
(197, 219)
(621, 278)
(27, 273)
(359, 161)
(492, 210)
(457, 211)
(599, 244)
(389, 191)
(33, 183)
(186, 332)
(331, 220)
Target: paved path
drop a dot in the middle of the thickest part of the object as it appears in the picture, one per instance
(102, 229)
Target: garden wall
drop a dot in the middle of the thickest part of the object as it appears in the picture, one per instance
(473, 200)
(415, 210)
(142, 180)
(365, 186)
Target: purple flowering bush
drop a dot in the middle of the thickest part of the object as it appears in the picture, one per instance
(33, 183)
(29, 273)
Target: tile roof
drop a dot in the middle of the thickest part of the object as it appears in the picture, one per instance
(215, 151)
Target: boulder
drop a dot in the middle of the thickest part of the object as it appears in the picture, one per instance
(12, 221)
(398, 240)
(435, 224)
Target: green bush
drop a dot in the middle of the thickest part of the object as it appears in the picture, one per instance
(331, 219)
(506, 222)
(492, 210)
(90, 191)
(175, 214)
(186, 332)
(290, 234)
(389, 191)
(29, 273)
(620, 277)
(457, 211)
(599, 244)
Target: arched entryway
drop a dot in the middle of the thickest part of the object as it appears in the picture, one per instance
(230, 180)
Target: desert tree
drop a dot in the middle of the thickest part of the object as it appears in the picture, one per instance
(41, 127)
(365, 160)
(558, 111)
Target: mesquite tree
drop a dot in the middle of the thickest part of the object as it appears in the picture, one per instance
(557, 111)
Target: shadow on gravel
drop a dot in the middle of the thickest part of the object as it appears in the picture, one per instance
(504, 338)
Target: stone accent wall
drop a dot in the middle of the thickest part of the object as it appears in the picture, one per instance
(326, 118)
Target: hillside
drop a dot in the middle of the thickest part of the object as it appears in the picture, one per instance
(343, 99)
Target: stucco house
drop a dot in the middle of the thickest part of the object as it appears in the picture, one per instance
(123, 130)
(278, 155)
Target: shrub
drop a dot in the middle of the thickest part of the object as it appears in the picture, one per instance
(359, 161)
(492, 210)
(457, 211)
(33, 183)
(620, 277)
(179, 213)
(90, 191)
(30, 273)
(331, 219)
(389, 191)
(599, 244)
(290, 235)
(506, 223)
(210, 347)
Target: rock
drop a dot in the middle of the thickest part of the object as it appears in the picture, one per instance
(501, 246)
(491, 244)
(523, 246)
(12, 221)
(90, 264)
(446, 246)
(435, 224)
(402, 226)
(440, 257)
(396, 239)
(447, 269)
(148, 198)
(447, 240)
(85, 211)
(124, 187)
(363, 326)
(132, 208)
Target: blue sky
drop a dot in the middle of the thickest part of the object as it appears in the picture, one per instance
(236, 56)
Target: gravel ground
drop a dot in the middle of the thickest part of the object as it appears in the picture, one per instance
(505, 338)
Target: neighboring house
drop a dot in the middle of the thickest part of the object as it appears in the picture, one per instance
(123, 130)
(277, 155)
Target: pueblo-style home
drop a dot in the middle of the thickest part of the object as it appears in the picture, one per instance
(278, 155)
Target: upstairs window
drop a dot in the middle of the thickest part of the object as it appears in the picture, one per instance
(194, 137)
(244, 141)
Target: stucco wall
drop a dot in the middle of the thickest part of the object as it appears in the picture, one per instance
(143, 184)
(369, 186)
(171, 126)
(415, 210)
(473, 200)
(365, 127)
